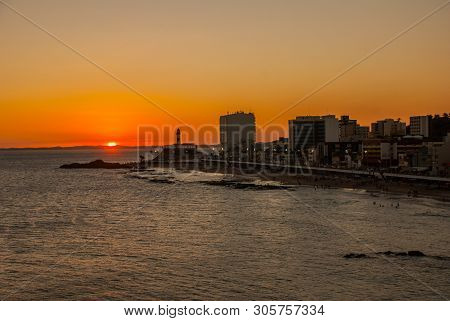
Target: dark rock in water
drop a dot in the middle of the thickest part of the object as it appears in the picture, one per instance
(246, 185)
(415, 253)
(387, 253)
(163, 181)
(356, 256)
(409, 253)
(98, 164)
(221, 183)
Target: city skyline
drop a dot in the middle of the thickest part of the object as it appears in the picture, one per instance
(212, 132)
(199, 64)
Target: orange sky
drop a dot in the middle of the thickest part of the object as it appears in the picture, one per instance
(200, 59)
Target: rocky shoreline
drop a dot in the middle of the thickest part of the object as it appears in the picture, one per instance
(371, 185)
(98, 164)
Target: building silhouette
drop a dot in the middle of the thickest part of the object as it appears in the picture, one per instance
(238, 135)
(420, 125)
(350, 130)
(388, 128)
(307, 132)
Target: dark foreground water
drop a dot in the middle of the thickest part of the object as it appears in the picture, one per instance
(107, 235)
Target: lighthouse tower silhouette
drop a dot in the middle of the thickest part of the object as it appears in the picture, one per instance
(178, 136)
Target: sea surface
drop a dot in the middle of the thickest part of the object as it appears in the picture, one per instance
(172, 235)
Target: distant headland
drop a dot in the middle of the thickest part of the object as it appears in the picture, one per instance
(69, 147)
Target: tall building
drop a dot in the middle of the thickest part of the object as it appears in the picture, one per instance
(347, 128)
(362, 132)
(350, 130)
(419, 125)
(238, 133)
(439, 126)
(443, 157)
(388, 128)
(306, 132)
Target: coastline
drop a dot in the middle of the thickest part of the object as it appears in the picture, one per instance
(371, 185)
(368, 185)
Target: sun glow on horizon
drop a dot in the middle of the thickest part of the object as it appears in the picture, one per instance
(202, 66)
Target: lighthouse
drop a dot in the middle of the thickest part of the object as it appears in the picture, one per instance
(177, 152)
(178, 136)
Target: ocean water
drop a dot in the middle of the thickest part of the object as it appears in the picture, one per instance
(171, 235)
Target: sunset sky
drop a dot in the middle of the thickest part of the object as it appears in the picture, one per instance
(199, 59)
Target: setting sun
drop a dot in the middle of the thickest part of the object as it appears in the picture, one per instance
(111, 144)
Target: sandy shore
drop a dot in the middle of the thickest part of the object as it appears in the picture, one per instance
(370, 185)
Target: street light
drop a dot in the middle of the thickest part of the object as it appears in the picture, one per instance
(365, 158)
